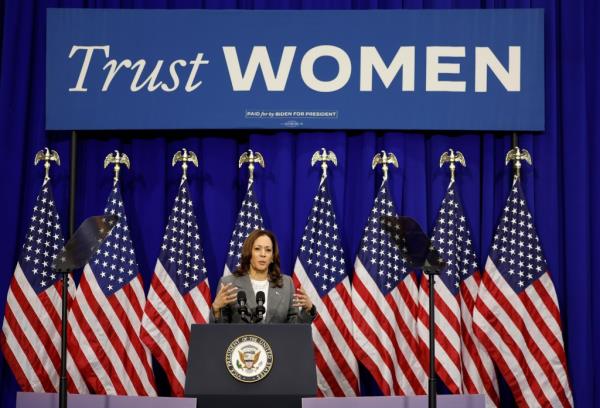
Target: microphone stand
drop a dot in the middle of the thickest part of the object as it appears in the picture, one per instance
(76, 253)
(431, 271)
(62, 387)
(407, 233)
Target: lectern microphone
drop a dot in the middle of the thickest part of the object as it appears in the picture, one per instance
(260, 308)
(242, 306)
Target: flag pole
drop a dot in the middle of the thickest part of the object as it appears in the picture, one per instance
(431, 271)
(49, 156)
(515, 144)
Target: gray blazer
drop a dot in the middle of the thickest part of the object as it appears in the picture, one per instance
(279, 303)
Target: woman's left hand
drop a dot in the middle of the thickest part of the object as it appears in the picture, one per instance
(301, 299)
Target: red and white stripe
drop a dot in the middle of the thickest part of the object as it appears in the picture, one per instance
(31, 336)
(166, 324)
(105, 341)
(461, 361)
(479, 374)
(522, 332)
(385, 333)
(337, 368)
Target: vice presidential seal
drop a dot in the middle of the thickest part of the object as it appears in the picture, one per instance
(249, 358)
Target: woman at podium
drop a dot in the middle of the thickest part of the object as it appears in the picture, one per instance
(257, 291)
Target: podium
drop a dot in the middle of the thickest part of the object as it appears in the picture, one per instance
(220, 370)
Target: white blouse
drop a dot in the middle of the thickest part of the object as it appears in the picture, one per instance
(258, 286)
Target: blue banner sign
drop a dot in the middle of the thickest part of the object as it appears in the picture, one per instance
(375, 69)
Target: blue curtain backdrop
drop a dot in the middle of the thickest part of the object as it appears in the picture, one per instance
(562, 187)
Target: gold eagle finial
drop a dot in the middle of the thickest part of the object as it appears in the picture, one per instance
(47, 156)
(251, 157)
(515, 154)
(384, 159)
(451, 157)
(117, 158)
(184, 156)
(323, 156)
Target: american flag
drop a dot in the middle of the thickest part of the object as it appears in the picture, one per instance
(321, 270)
(106, 315)
(384, 302)
(179, 293)
(461, 361)
(516, 313)
(248, 220)
(31, 331)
